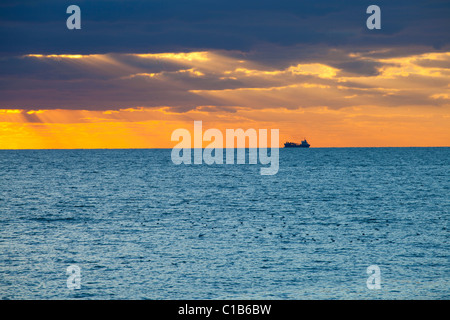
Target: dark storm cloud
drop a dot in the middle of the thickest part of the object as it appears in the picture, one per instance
(270, 36)
(72, 69)
(170, 26)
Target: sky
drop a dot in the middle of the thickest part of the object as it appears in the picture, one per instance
(138, 70)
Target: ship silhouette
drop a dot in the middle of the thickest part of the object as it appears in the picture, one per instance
(304, 144)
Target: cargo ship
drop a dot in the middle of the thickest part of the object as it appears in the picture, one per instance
(304, 144)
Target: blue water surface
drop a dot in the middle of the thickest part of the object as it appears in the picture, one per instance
(140, 227)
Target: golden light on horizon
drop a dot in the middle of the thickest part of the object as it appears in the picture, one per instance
(181, 56)
(61, 56)
(407, 103)
(152, 128)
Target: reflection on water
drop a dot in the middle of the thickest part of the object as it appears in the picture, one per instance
(140, 227)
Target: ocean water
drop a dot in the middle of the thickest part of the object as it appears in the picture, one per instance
(140, 227)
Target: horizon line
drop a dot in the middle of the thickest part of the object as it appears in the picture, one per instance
(149, 148)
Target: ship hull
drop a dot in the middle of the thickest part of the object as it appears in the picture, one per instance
(296, 146)
(304, 144)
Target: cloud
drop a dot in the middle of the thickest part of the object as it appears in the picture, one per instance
(187, 81)
(137, 26)
(138, 69)
(222, 54)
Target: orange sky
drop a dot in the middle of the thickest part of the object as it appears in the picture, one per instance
(406, 104)
(152, 128)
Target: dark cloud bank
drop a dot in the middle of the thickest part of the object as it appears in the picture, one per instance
(244, 25)
(274, 34)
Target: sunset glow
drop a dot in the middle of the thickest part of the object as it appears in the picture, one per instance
(405, 103)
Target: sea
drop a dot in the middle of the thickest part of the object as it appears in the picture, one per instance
(130, 224)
